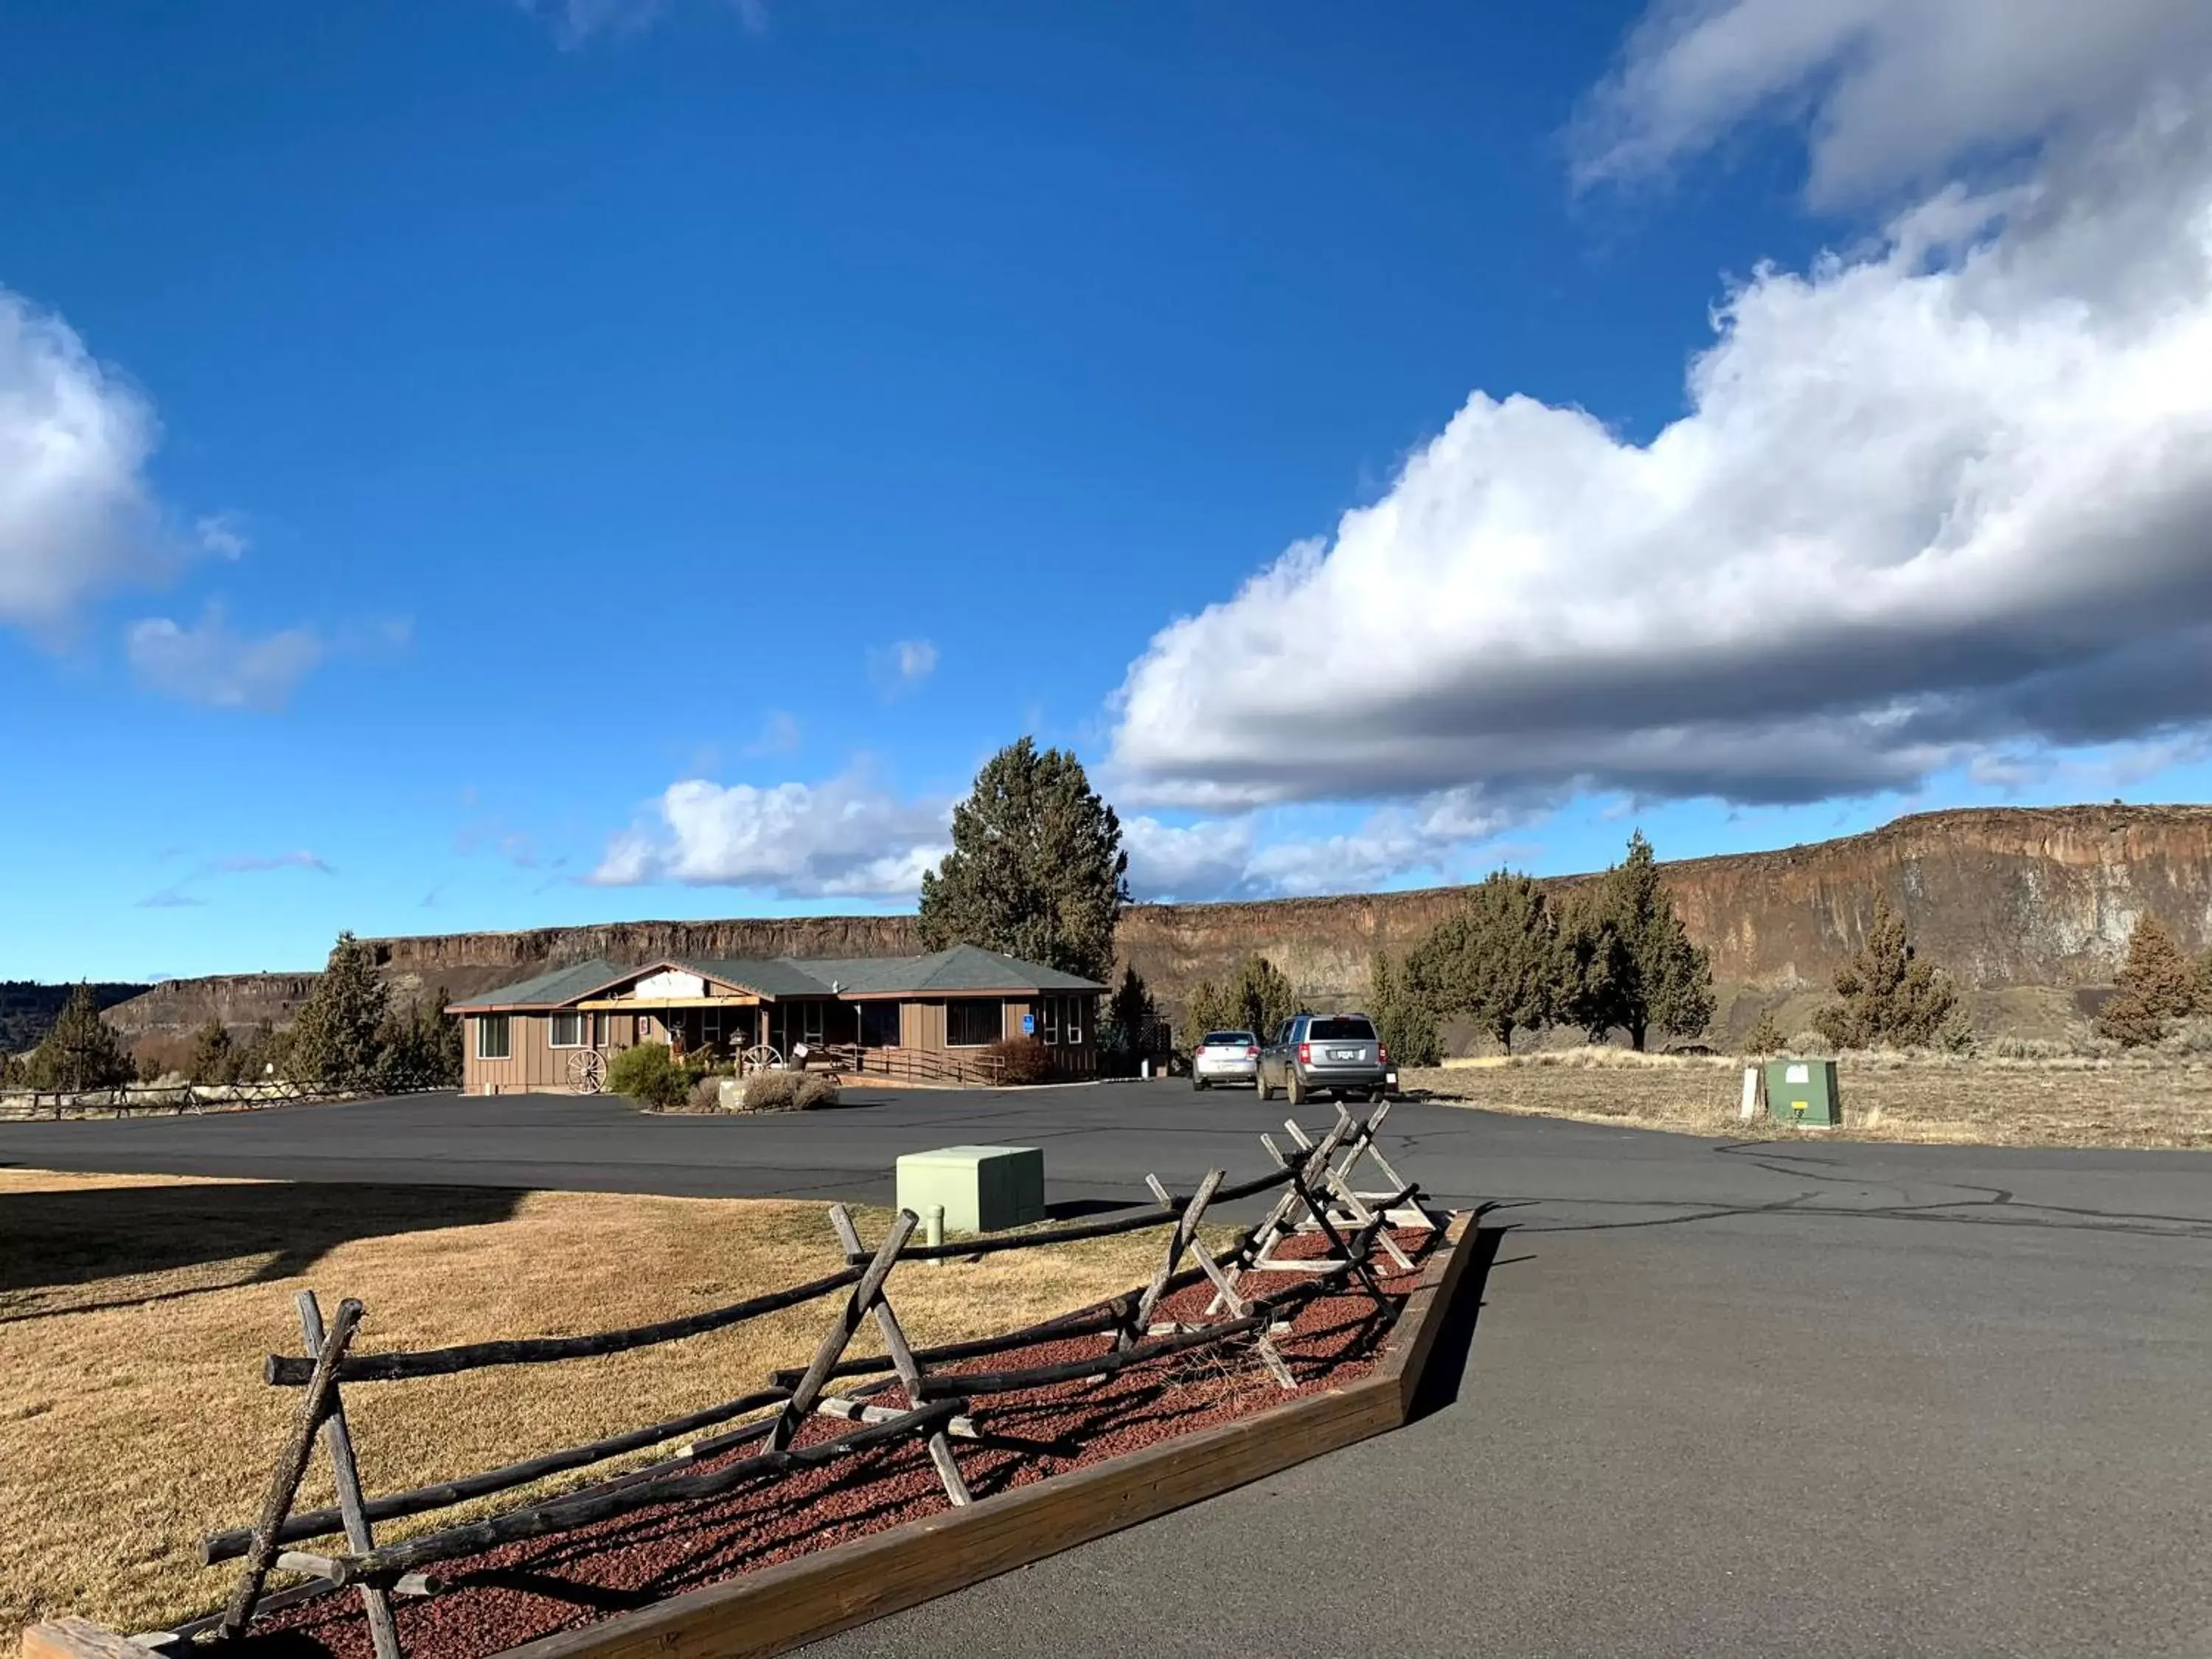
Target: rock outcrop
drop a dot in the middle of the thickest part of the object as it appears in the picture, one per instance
(2004, 897)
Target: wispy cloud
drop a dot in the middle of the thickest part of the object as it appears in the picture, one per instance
(576, 21)
(223, 535)
(779, 734)
(170, 898)
(213, 664)
(179, 894)
(900, 666)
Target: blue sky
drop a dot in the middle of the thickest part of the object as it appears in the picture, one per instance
(465, 464)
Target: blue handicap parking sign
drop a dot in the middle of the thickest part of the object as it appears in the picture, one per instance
(1028, 1025)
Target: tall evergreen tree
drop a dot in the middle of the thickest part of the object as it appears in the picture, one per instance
(339, 1035)
(1596, 979)
(1403, 1016)
(1887, 995)
(1131, 1017)
(1036, 869)
(82, 1051)
(214, 1057)
(1669, 982)
(1494, 960)
(2157, 983)
(1256, 998)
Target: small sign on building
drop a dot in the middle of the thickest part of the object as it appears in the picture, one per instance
(1028, 1025)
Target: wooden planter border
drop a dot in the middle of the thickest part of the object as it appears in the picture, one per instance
(776, 1608)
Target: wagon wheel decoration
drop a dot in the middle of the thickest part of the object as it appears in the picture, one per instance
(588, 1070)
(759, 1058)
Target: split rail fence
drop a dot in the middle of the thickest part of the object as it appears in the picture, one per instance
(17, 1104)
(1318, 1191)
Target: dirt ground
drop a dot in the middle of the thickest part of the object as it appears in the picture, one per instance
(135, 1312)
(2153, 1102)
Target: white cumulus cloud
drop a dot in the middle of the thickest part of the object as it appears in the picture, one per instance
(1239, 857)
(211, 663)
(76, 515)
(1892, 89)
(843, 838)
(1949, 494)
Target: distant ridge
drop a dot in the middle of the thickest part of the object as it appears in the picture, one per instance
(2005, 898)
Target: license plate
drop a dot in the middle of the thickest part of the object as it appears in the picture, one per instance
(1344, 1054)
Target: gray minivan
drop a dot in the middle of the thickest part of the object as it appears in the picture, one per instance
(1339, 1055)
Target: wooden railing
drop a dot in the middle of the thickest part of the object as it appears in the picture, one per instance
(1317, 1192)
(19, 1104)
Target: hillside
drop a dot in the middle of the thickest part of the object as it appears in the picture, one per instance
(28, 1009)
(2013, 901)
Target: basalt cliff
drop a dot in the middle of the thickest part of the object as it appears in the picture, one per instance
(2009, 899)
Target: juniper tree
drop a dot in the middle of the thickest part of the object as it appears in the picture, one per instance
(337, 1036)
(1494, 960)
(1036, 869)
(215, 1056)
(1887, 995)
(1403, 1016)
(1668, 985)
(1131, 1016)
(2157, 982)
(82, 1051)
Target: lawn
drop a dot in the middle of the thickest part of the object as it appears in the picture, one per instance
(2159, 1101)
(135, 1312)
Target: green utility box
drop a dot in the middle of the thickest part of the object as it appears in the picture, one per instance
(1803, 1092)
(984, 1189)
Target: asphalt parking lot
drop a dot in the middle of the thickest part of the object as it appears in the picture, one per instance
(1720, 1399)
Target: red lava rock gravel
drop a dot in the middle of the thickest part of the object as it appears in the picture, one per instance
(521, 1591)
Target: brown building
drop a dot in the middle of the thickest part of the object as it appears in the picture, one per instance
(900, 1016)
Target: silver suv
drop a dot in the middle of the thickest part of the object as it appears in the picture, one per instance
(1338, 1054)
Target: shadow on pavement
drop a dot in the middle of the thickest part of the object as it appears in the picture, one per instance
(1446, 1370)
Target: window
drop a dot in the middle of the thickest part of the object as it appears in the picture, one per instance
(1352, 1028)
(880, 1026)
(1060, 1019)
(491, 1036)
(710, 1026)
(811, 1024)
(1228, 1040)
(971, 1021)
(601, 1029)
(566, 1032)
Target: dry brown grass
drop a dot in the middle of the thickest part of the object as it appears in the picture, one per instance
(134, 1313)
(2151, 1103)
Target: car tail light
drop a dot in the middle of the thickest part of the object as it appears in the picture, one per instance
(1305, 1054)
(1251, 1054)
(1382, 1053)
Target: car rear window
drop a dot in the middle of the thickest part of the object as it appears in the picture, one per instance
(1340, 1031)
(1227, 1039)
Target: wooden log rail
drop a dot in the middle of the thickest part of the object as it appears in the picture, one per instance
(567, 1513)
(936, 1405)
(286, 1370)
(317, 1523)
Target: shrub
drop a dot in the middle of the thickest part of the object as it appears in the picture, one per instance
(812, 1092)
(705, 1095)
(2191, 1037)
(772, 1091)
(1812, 1044)
(648, 1076)
(1764, 1038)
(1021, 1059)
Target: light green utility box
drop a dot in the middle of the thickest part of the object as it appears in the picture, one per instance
(984, 1189)
(1803, 1092)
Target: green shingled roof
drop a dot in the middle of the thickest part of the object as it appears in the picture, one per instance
(961, 968)
(549, 989)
